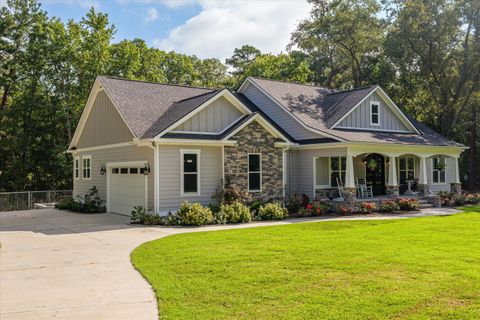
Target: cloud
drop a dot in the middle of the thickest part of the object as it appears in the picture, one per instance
(220, 27)
(152, 15)
(3, 3)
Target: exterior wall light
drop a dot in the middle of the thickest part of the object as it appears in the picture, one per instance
(146, 169)
(103, 170)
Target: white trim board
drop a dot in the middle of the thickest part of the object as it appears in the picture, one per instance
(198, 173)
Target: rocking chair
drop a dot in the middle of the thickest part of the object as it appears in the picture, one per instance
(340, 190)
(364, 191)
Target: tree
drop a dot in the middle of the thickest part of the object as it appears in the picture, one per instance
(242, 57)
(343, 38)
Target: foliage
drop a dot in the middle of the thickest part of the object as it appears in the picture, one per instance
(343, 209)
(389, 206)
(315, 208)
(92, 203)
(294, 203)
(236, 212)
(416, 259)
(232, 193)
(194, 214)
(367, 207)
(408, 204)
(446, 197)
(254, 207)
(272, 211)
(68, 204)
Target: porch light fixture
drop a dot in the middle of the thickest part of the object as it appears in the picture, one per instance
(103, 170)
(146, 169)
(388, 161)
(364, 161)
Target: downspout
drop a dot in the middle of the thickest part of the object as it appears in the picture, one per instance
(154, 146)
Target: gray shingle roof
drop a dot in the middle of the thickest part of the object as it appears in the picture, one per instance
(320, 108)
(148, 107)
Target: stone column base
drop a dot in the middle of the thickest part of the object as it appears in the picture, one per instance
(393, 190)
(456, 188)
(350, 195)
(423, 190)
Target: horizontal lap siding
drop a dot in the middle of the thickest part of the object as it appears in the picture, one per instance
(304, 167)
(449, 176)
(280, 116)
(169, 185)
(360, 117)
(104, 125)
(214, 118)
(118, 154)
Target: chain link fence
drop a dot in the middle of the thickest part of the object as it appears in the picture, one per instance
(26, 200)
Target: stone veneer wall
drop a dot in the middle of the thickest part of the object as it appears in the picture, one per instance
(255, 139)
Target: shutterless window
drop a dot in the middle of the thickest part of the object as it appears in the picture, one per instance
(87, 167)
(254, 173)
(76, 168)
(337, 170)
(438, 170)
(374, 113)
(407, 168)
(190, 173)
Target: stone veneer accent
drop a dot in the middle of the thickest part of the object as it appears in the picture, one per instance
(456, 188)
(392, 190)
(255, 139)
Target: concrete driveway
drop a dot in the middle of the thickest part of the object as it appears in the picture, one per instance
(64, 265)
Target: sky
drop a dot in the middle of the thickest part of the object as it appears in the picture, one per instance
(206, 28)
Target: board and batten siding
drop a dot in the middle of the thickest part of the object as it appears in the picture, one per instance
(304, 167)
(360, 117)
(118, 154)
(104, 125)
(170, 197)
(279, 115)
(213, 119)
(449, 175)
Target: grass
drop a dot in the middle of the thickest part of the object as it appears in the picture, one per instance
(422, 268)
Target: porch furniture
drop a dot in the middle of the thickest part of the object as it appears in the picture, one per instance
(340, 190)
(409, 191)
(364, 191)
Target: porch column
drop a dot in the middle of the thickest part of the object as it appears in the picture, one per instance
(349, 190)
(392, 186)
(422, 179)
(456, 186)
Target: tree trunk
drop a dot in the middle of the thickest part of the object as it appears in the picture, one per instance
(3, 104)
(472, 157)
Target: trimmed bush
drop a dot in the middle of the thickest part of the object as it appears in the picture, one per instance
(272, 211)
(315, 208)
(294, 203)
(408, 204)
(236, 212)
(389, 206)
(68, 204)
(368, 207)
(254, 207)
(194, 214)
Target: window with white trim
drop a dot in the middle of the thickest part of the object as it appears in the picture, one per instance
(374, 113)
(87, 167)
(438, 169)
(254, 172)
(76, 168)
(338, 167)
(406, 168)
(190, 180)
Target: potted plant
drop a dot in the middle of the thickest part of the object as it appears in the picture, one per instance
(372, 164)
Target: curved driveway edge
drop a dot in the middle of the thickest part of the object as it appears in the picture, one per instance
(64, 265)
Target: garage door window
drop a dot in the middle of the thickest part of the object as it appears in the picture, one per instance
(190, 178)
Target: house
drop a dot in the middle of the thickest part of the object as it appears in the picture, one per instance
(157, 145)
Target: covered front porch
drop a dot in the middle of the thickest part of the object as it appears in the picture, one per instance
(389, 171)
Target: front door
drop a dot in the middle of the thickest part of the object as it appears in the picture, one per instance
(375, 173)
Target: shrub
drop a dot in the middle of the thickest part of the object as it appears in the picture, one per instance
(272, 211)
(472, 198)
(368, 207)
(294, 203)
(459, 200)
(92, 203)
(68, 204)
(194, 214)
(446, 198)
(138, 215)
(315, 208)
(389, 206)
(153, 219)
(236, 212)
(408, 204)
(254, 207)
(230, 194)
(342, 209)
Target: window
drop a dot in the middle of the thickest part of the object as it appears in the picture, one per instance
(190, 177)
(76, 168)
(254, 172)
(87, 162)
(123, 170)
(438, 169)
(133, 170)
(374, 113)
(337, 170)
(115, 170)
(406, 168)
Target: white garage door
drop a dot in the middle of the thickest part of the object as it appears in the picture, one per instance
(127, 189)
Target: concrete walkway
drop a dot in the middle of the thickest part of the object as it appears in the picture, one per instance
(64, 265)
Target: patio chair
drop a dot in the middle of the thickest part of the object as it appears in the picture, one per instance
(340, 190)
(364, 191)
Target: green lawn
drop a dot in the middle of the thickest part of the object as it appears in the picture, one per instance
(423, 268)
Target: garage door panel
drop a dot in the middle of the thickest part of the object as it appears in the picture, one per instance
(127, 190)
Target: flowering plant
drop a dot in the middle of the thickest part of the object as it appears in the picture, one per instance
(343, 209)
(408, 204)
(368, 207)
(315, 208)
(389, 206)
